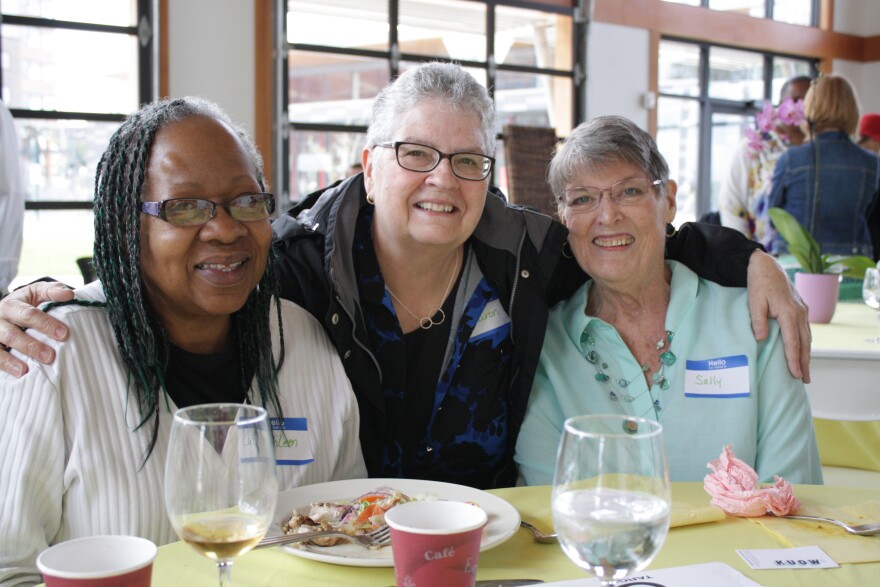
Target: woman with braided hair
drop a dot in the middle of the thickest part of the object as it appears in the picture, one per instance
(184, 312)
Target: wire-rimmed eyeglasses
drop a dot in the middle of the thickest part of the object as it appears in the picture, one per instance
(195, 211)
(422, 158)
(629, 192)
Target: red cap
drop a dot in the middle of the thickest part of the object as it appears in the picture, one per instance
(870, 126)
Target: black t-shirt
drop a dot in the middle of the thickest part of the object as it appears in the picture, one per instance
(200, 379)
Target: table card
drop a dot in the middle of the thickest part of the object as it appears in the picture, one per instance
(805, 557)
(714, 574)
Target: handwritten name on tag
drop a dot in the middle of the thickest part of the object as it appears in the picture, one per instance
(722, 377)
(804, 557)
(492, 318)
(293, 445)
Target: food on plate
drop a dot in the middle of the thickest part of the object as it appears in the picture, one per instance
(353, 517)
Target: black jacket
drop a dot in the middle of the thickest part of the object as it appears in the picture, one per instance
(522, 253)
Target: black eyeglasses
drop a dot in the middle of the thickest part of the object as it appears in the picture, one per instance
(195, 211)
(422, 158)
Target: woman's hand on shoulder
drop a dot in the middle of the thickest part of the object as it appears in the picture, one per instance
(18, 311)
(772, 295)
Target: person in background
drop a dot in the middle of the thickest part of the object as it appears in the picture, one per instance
(184, 313)
(869, 132)
(743, 197)
(354, 169)
(636, 338)
(11, 200)
(829, 183)
(435, 291)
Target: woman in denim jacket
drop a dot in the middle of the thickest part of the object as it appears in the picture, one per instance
(829, 183)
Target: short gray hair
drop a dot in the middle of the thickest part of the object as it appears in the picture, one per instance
(599, 143)
(447, 82)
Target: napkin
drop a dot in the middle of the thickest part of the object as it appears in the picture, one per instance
(835, 541)
(684, 514)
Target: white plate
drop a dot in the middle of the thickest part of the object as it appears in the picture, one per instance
(503, 517)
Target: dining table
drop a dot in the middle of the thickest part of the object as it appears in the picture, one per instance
(521, 557)
(845, 389)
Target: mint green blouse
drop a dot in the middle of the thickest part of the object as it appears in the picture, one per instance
(725, 388)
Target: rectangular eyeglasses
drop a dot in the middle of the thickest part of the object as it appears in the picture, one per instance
(195, 211)
(422, 158)
(629, 192)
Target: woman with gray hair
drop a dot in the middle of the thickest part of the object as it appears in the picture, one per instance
(649, 338)
(435, 291)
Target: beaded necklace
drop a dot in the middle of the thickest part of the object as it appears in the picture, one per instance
(658, 379)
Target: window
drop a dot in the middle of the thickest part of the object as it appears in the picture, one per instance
(803, 12)
(71, 70)
(340, 53)
(708, 97)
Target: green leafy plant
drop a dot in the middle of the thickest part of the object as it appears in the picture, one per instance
(805, 249)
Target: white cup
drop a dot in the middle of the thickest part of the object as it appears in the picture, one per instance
(98, 561)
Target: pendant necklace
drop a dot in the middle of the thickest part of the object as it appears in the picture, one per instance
(658, 380)
(426, 322)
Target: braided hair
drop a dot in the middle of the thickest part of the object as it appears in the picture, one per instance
(140, 336)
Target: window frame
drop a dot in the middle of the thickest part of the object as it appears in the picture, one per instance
(146, 30)
(708, 106)
(769, 6)
(393, 56)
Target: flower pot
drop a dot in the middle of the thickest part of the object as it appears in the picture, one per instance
(819, 291)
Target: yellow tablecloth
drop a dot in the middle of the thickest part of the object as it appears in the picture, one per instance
(521, 557)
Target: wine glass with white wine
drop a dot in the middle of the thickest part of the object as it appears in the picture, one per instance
(220, 485)
(871, 295)
(611, 494)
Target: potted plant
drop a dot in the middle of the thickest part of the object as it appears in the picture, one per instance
(818, 282)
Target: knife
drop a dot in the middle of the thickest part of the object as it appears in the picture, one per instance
(504, 582)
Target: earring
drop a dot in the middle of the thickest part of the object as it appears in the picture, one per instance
(370, 200)
(670, 230)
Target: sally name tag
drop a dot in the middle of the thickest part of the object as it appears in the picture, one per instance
(293, 445)
(721, 377)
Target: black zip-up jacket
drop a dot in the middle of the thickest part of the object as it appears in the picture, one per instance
(522, 253)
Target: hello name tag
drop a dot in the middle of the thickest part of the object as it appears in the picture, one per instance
(293, 445)
(492, 318)
(719, 378)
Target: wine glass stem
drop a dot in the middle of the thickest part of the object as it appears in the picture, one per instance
(225, 569)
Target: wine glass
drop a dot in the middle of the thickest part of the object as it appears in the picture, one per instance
(611, 494)
(220, 485)
(871, 295)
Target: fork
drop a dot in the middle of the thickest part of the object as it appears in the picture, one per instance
(863, 530)
(378, 538)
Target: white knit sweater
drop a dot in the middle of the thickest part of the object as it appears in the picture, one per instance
(70, 455)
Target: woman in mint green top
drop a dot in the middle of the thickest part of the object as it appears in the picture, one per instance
(649, 338)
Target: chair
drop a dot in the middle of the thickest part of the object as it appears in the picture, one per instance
(528, 150)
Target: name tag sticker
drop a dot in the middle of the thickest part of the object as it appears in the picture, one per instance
(722, 377)
(805, 557)
(293, 445)
(492, 318)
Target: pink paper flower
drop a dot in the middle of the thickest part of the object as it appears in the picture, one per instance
(734, 488)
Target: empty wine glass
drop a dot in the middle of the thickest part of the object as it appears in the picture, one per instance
(611, 494)
(220, 485)
(871, 295)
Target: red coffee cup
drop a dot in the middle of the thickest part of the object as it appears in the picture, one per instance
(436, 543)
(98, 561)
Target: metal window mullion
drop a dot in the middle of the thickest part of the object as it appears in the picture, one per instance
(393, 40)
(768, 77)
(704, 150)
(491, 64)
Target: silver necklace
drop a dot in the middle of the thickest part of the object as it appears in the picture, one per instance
(658, 379)
(426, 322)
